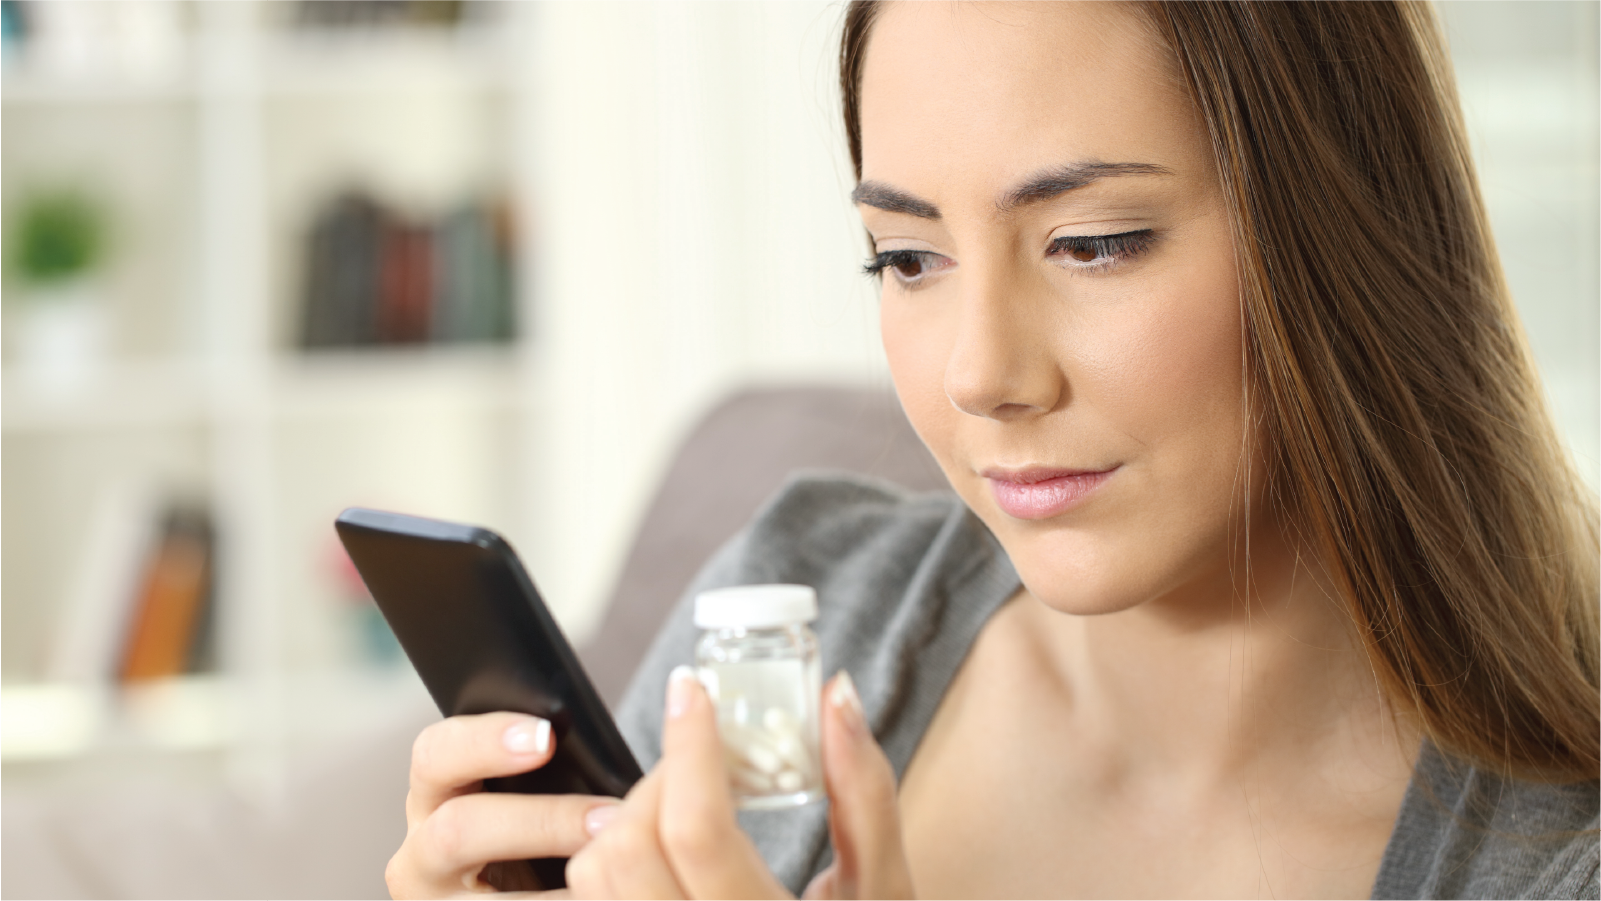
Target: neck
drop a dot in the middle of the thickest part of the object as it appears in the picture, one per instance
(1229, 676)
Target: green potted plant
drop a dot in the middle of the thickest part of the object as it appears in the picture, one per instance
(55, 254)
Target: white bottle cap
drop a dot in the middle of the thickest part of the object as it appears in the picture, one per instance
(755, 606)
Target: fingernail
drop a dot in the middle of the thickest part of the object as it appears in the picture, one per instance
(531, 736)
(598, 817)
(678, 689)
(844, 699)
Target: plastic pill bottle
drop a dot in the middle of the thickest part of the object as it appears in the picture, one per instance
(758, 660)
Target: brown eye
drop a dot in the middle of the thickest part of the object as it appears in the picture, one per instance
(909, 268)
(1083, 254)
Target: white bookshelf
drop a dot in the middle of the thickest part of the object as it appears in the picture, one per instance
(261, 120)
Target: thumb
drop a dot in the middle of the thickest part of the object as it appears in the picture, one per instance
(863, 818)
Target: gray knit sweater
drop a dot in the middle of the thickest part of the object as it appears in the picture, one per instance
(905, 583)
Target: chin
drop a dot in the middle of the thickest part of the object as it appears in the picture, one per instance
(1074, 571)
(1102, 569)
(1083, 592)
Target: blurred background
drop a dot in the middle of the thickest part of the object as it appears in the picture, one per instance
(484, 261)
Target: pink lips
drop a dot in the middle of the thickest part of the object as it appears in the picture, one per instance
(1042, 493)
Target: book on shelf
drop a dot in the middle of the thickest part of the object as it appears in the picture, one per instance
(473, 284)
(406, 284)
(142, 605)
(166, 634)
(342, 262)
(376, 277)
(367, 14)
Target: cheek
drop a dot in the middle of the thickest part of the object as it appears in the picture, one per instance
(1169, 382)
(1167, 371)
(1181, 379)
(1158, 374)
(917, 343)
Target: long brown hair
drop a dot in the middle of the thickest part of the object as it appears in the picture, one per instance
(1411, 439)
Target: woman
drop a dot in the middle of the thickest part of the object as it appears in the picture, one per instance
(1268, 574)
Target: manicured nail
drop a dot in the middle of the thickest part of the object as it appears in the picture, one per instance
(598, 817)
(531, 736)
(678, 689)
(844, 698)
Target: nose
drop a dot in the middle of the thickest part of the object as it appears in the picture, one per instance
(1001, 365)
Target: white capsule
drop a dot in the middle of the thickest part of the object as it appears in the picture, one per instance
(793, 753)
(762, 758)
(789, 781)
(781, 721)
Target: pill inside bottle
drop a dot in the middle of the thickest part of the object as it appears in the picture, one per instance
(758, 661)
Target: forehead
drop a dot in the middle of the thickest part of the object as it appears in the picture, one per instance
(995, 91)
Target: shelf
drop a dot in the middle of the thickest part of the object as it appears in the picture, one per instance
(478, 377)
(328, 383)
(123, 395)
(55, 721)
(299, 63)
(60, 722)
(35, 90)
(317, 64)
(333, 384)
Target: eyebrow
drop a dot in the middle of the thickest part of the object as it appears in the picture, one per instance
(1038, 188)
(881, 196)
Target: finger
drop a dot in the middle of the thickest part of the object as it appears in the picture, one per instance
(824, 885)
(455, 755)
(626, 859)
(400, 887)
(534, 896)
(469, 831)
(707, 850)
(863, 818)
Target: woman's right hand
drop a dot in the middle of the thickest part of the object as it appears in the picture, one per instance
(454, 829)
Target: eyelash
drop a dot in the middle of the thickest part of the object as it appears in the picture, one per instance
(1109, 251)
(894, 259)
(1114, 248)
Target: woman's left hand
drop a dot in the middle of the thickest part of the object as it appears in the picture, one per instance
(676, 836)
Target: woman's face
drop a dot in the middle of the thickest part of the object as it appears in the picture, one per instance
(1060, 301)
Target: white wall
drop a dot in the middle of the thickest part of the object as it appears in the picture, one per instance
(692, 234)
(1527, 73)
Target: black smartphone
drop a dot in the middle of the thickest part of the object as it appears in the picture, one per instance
(478, 634)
